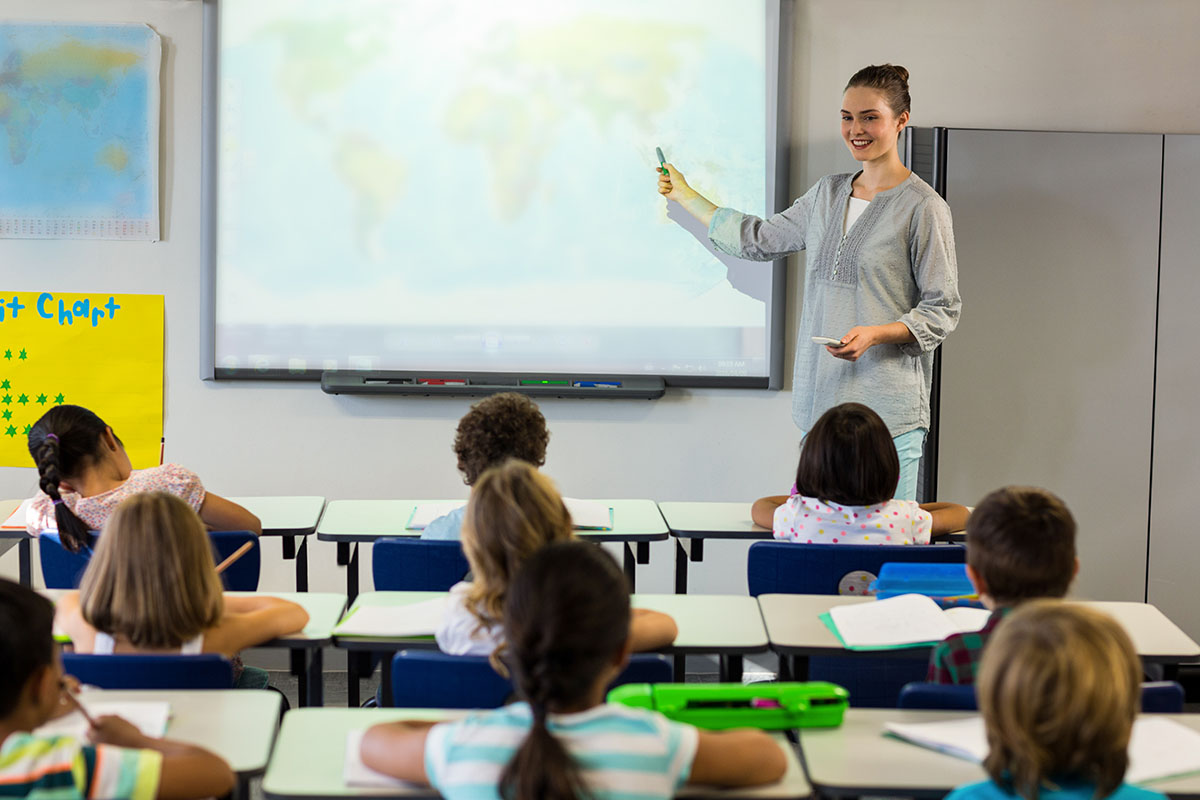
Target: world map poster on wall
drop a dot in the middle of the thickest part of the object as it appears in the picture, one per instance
(79, 126)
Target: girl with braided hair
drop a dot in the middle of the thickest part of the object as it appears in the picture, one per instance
(84, 473)
(567, 619)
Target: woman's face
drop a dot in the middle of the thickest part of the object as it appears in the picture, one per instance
(869, 128)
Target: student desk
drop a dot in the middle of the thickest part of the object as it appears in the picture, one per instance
(692, 523)
(349, 522)
(289, 518)
(237, 724)
(309, 760)
(324, 612)
(858, 759)
(24, 542)
(728, 626)
(795, 631)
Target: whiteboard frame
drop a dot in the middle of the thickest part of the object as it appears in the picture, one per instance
(779, 18)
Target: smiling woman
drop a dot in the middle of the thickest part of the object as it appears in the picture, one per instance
(881, 274)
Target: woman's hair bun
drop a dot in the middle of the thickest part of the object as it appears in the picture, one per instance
(900, 71)
(891, 80)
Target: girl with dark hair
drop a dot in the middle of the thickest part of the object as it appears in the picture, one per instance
(845, 489)
(84, 473)
(881, 270)
(567, 622)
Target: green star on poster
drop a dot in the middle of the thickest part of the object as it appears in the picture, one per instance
(4, 384)
(59, 399)
(23, 399)
(12, 431)
(41, 399)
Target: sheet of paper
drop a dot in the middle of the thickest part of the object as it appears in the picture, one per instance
(905, 619)
(150, 717)
(416, 619)
(356, 773)
(16, 521)
(1159, 747)
(966, 619)
(426, 513)
(589, 514)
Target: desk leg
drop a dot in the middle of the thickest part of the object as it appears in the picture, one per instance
(385, 681)
(352, 573)
(289, 547)
(643, 552)
(24, 556)
(352, 686)
(630, 566)
(316, 678)
(680, 669)
(681, 564)
(730, 668)
(302, 565)
(799, 668)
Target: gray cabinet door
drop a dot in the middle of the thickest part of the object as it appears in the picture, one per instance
(1174, 584)
(1048, 380)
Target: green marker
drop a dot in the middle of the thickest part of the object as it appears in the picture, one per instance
(542, 382)
(661, 161)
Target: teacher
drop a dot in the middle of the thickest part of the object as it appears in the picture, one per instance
(881, 275)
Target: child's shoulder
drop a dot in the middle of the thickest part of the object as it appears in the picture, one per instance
(31, 761)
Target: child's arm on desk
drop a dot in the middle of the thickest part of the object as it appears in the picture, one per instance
(397, 749)
(947, 517)
(188, 771)
(252, 620)
(651, 630)
(220, 514)
(742, 757)
(763, 510)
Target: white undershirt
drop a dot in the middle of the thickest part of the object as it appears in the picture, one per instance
(854, 210)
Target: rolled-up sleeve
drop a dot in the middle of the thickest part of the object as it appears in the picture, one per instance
(935, 271)
(757, 239)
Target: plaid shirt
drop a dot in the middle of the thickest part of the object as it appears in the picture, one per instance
(956, 658)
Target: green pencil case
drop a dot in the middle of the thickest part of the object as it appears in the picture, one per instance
(718, 706)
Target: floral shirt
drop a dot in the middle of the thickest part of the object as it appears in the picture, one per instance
(94, 510)
(810, 521)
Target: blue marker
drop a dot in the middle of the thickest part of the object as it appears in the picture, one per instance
(599, 384)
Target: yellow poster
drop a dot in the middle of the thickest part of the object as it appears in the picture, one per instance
(100, 351)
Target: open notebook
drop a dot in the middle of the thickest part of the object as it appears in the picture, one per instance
(902, 621)
(585, 514)
(1159, 748)
(16, 520)
(356, 773)
(150, 717)
(415, 619)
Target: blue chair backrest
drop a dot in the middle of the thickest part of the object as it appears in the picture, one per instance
(206, 671)
(242, 575)
(430, 679)
(62, 569)
(790, 568)
(1158, 697)
(416, 565)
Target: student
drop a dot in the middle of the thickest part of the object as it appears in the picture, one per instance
(1020, 546)
(514, 511)
(500, 427)
(119, 762)
(567, 619)
(845, 489)
(152, 587)
(1059, 690)
(85, 472)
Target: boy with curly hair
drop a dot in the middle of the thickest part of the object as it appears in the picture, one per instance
(497, 428)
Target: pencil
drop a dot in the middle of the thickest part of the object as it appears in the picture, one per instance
(241, 551)
(73, 700)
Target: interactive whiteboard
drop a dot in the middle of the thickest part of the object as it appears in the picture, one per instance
(463, 185)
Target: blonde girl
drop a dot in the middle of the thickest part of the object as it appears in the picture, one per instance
(152, 587)
(514, 510)
(1059, 688)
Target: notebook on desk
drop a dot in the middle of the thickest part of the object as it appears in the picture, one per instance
(148, 716)
(903, 621)
(585, 514)
(16, 520)
(415, 619)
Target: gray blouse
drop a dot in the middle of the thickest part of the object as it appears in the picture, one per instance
(895, 263)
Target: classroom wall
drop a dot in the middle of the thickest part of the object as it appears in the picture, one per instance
(1046, 64)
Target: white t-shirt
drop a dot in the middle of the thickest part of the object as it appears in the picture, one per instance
(809, 521)
(854, 209)
(460, 633)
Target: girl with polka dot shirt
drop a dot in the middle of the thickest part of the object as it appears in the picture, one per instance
(845, 486)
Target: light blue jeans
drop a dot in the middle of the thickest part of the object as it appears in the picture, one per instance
(909, 447)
